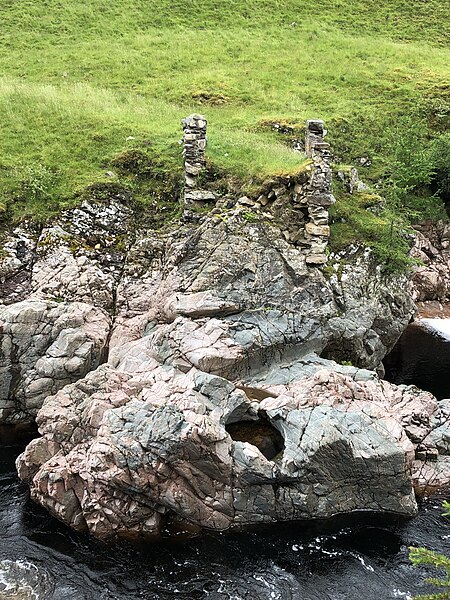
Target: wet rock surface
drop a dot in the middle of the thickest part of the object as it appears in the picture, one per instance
(350, 557)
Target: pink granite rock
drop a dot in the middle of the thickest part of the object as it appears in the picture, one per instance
(127, 450)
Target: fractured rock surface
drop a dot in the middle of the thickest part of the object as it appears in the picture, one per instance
(431, 279)
(44, 346)
(205, 326)
(142, 444)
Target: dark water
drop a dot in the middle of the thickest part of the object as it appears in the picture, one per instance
(422, 357)
(283, 562)
(42, 559)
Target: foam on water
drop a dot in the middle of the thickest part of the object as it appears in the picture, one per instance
(440, 326)
(20, 580)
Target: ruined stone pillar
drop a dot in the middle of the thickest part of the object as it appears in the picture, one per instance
(194, 140)
(314, 135)
(320, 196)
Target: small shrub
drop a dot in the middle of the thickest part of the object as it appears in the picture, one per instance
(35, 182)
(134, 161)
(211, 97)
(422, 556)
(250, 217)
(104, 191)
(411, 166)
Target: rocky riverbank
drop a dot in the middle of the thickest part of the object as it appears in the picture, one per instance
(146, 348)
(129, 449)
(431, 280)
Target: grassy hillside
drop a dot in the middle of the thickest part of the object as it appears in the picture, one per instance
(84, 81)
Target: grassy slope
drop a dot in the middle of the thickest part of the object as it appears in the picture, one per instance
(79, 78)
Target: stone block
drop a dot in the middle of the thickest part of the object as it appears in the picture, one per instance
(279, 191)
(190, 181)
(319, 218)
(200, 195)
(319, 199)
(315, 125)
(193, 169)
(321, 230)
(245, 201)
(318, 247)
(316, 259)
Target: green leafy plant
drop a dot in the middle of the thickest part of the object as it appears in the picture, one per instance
(423, 556)
(383, 222)
(250, 217)
(411, 164)
(35, 181)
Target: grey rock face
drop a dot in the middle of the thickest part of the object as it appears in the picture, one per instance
(227, 296)
(211, 325)
(431, 279)
(78, 258)
(44, 346)
(254, 289)
(372, 315)
(16, 266)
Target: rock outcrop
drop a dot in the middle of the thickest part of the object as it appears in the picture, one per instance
(44, 346)
(78, 257)
(137, 446)
(431, 281)
(268, 306)
(186, 375)
(226, 295)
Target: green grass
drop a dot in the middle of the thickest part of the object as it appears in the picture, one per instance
(84, 81)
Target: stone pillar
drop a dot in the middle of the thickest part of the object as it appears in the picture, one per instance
(314, 135)
(319, 194)
(194, 140)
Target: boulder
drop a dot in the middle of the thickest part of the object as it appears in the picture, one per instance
(431, 280)
(205, 327)
(134, 447)
(224, 268)
(261, 290)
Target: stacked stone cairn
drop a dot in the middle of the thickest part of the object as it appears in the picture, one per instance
(319, 196)
(194, 140)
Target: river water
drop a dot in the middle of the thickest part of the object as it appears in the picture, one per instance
(41, 559)
(422, 357)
